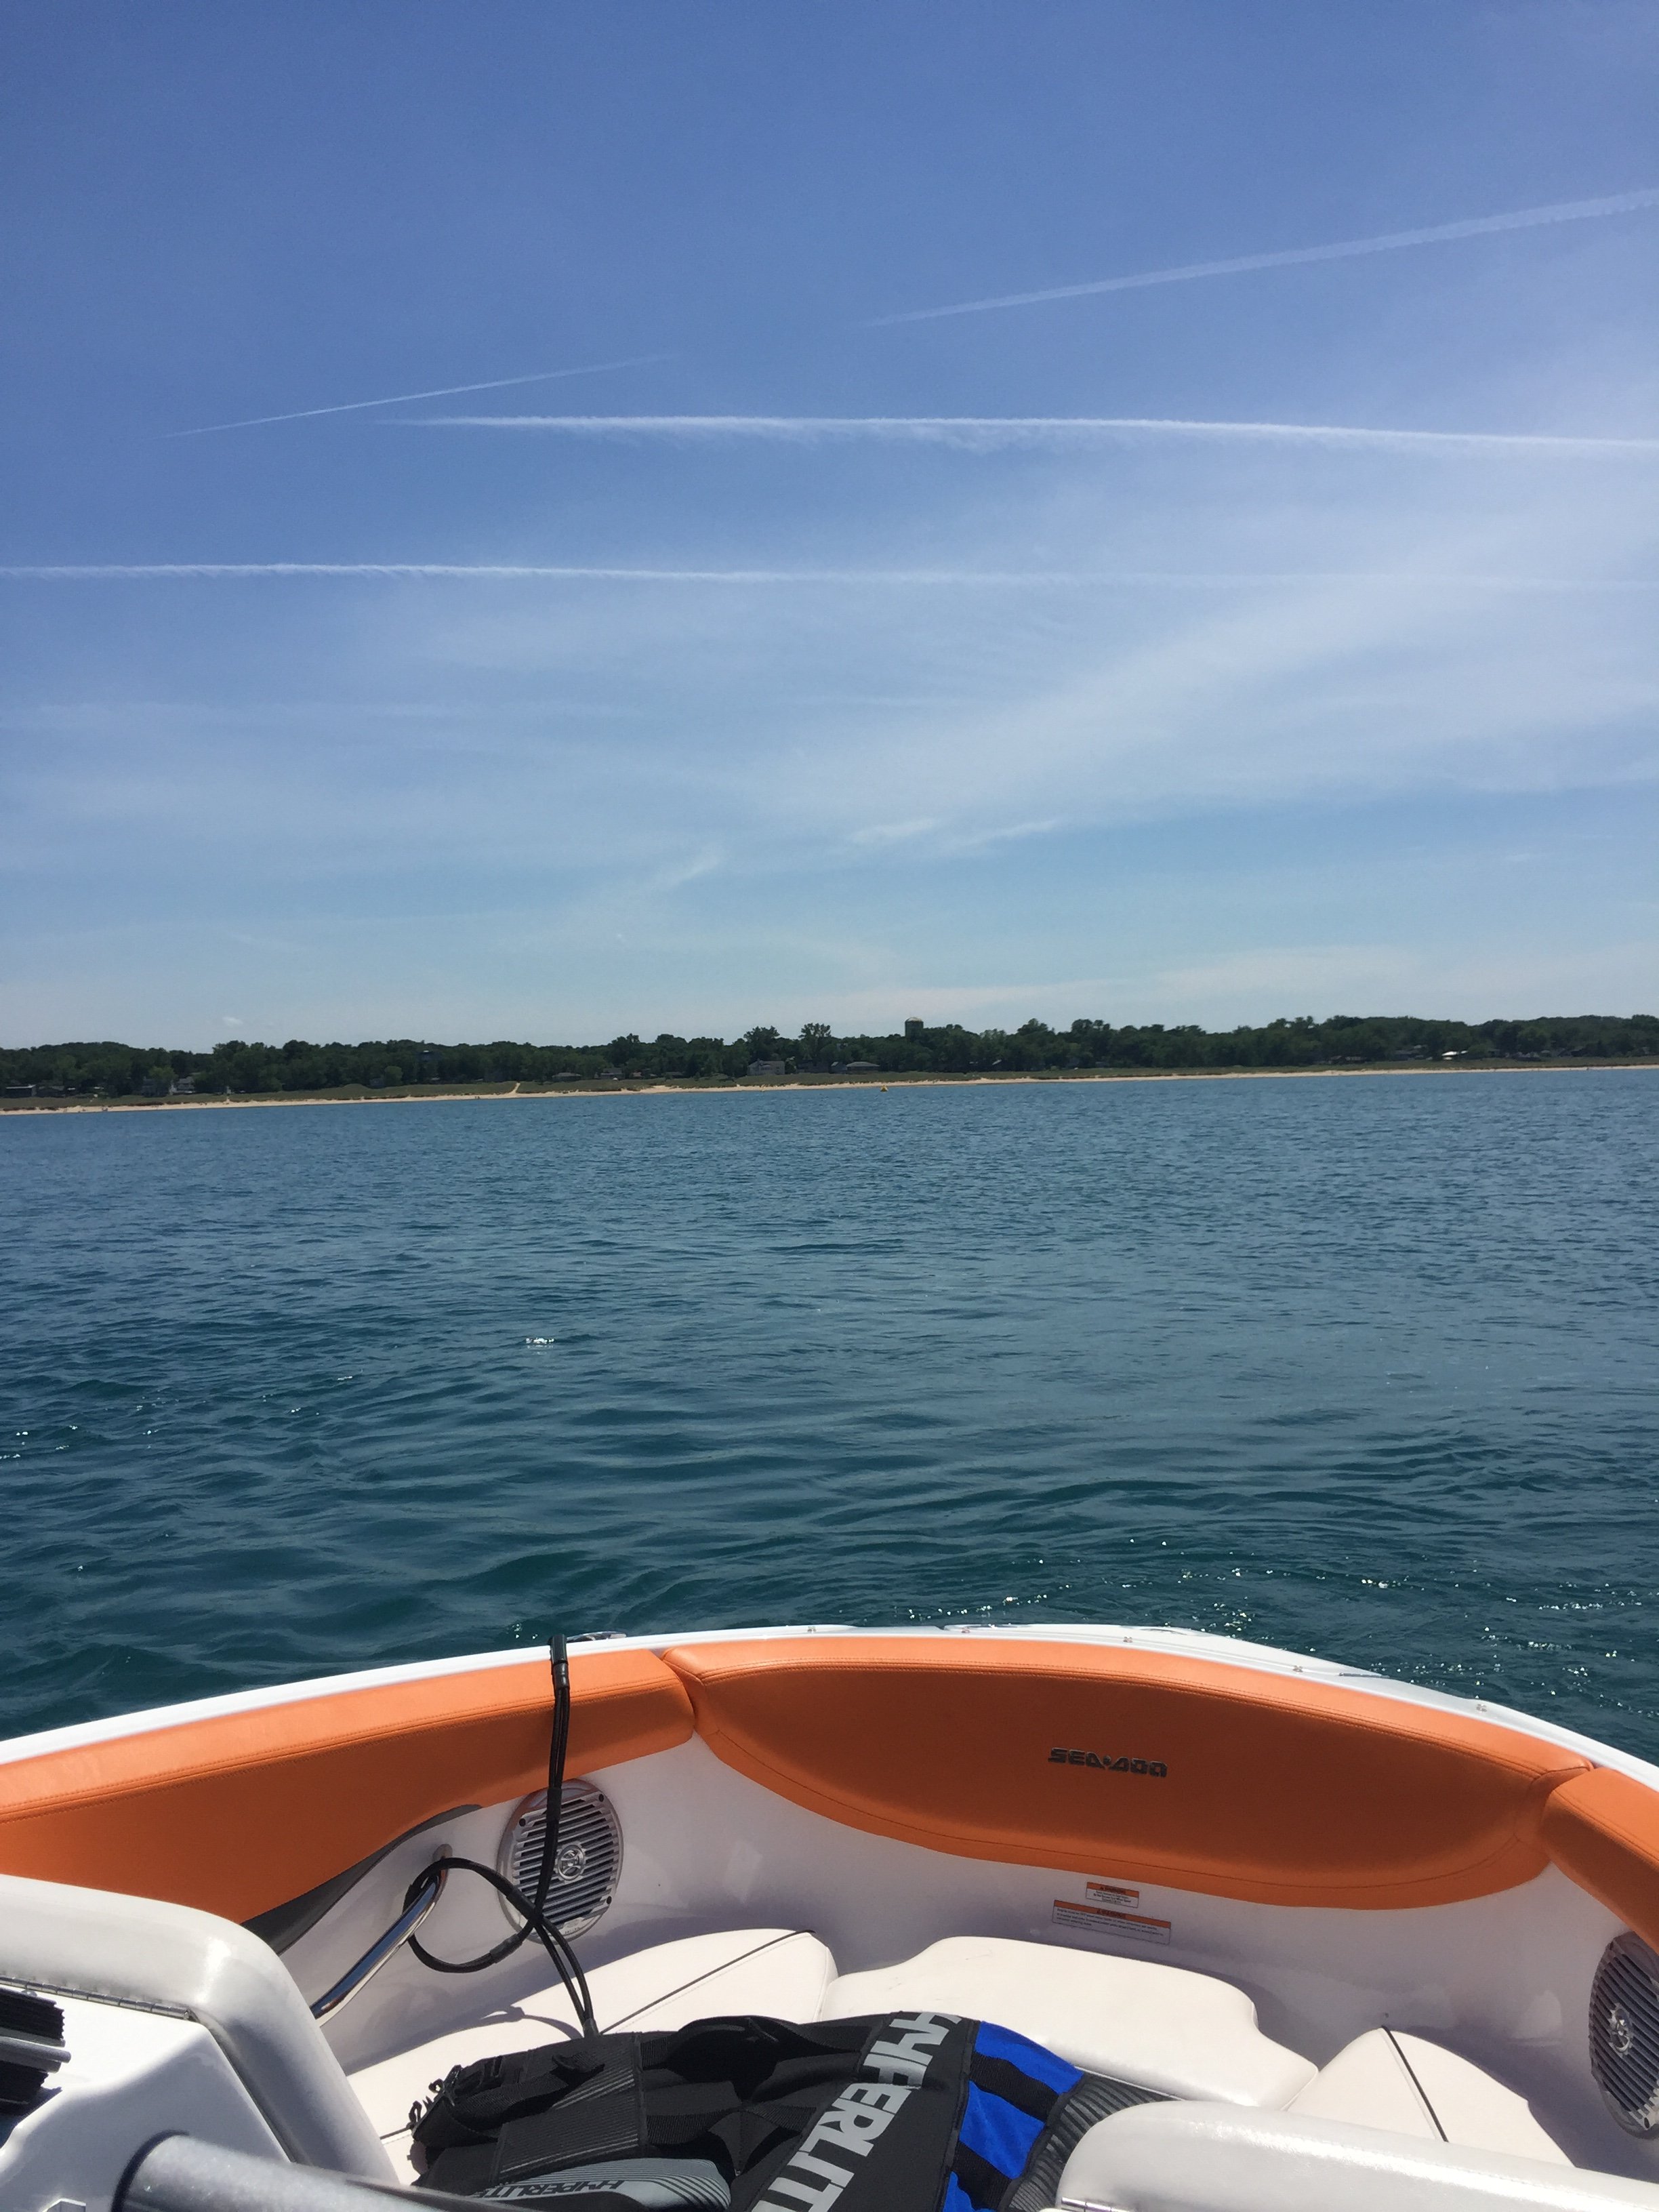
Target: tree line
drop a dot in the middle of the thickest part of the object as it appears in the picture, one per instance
(243, 1069)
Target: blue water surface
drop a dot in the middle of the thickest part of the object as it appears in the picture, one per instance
(1362, 1367)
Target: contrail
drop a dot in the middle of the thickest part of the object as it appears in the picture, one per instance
(404, 398)
(989, 433)
(375, 571)
(1479, 225)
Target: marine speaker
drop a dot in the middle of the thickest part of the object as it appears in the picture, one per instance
(1624, 2033)
(589, 1861)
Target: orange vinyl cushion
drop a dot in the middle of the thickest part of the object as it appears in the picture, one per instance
(1602, 1830)
(240, 1812)
(1134, 1764)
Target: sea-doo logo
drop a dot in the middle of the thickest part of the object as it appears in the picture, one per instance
(1107, 1764)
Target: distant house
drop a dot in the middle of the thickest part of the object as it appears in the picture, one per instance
(184, 1087)
(770, 1068)
(855, 1067)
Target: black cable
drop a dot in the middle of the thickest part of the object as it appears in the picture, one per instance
(553, 1940)
(558, 1659)
(557, 1739)
(533, 1909)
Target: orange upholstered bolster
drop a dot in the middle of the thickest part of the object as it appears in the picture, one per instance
(241, 1811)
(1602, 1829)
(1132, 1764)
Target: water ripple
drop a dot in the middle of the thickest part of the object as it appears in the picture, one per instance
(1363, 1368)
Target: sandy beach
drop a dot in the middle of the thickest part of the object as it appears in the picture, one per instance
(438, 1094)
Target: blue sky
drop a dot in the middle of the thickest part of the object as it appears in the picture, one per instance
(797, 652)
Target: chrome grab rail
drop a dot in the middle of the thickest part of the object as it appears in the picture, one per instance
(359, 1976)
(180, 2173)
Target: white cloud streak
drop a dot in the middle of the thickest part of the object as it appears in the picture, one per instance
(994, 432)
(406, 398)
(115, 572)
(1245, 265)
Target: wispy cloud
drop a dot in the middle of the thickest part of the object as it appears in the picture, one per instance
(503, 572)
(1324, 631)
(1337, 975)
(1274, 979)
(1480, 226)
(118, 572)
(407, 398)
(708, 861)
(894, 833)
(943, 838)
(993, 433)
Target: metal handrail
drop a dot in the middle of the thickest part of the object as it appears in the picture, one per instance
(178, 2173)
(359, 1976)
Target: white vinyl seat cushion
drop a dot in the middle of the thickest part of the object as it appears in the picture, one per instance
(1387, 2079)
(783, 1972)
(1162, 2028)
(1217, 2158)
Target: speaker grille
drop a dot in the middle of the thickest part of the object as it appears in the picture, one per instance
(589, 1861)
(1624, 2033)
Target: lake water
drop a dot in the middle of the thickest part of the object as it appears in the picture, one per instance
(1362, 1367)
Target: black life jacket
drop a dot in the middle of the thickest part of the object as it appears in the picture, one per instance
(902, 2113)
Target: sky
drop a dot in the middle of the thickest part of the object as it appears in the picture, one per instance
(549, 520)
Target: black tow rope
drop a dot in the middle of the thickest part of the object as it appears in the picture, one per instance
(533, 1909)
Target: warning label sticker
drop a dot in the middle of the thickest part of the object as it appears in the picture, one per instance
(1105, 1920)
(1108, 1892)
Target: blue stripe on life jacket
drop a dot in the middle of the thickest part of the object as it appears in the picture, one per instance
(1044, 2066)
(956, 2198)
(998, 2132)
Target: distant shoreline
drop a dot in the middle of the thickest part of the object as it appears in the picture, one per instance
(436, 1093)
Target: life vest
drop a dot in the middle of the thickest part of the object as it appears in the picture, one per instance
(917, 2112)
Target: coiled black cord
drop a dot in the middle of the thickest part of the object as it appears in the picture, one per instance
(533, 1909)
